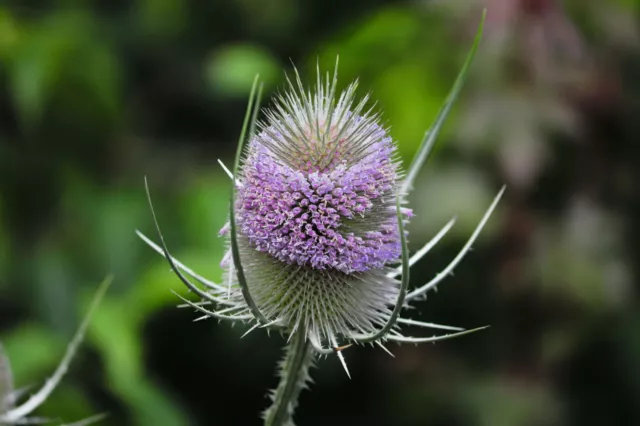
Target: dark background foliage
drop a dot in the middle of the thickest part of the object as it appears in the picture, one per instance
(94, 95)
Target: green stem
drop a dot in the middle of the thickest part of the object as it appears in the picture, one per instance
(294, 374)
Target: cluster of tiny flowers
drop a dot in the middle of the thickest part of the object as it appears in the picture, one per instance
(316, 225)
(339, 214)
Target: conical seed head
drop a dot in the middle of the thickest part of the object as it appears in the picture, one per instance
(316, 213)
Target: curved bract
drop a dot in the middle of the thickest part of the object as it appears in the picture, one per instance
(12, 413)
(6, 383)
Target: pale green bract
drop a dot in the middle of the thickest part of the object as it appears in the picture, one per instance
(12, 413)
(6, 383)
(356, 308)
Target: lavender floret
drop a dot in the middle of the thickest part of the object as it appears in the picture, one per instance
(329, 205)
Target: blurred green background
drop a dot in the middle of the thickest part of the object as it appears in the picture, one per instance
(96, 94)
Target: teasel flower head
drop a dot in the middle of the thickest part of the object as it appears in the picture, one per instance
(316, 233)
(316, 215)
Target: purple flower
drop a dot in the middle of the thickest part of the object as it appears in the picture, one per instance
(316, 215)
(324, 201)
(316, 224)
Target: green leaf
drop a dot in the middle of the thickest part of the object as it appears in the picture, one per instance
(9, 34)
(116, 331)
(232, 69)
(63, 59)
(29, 365)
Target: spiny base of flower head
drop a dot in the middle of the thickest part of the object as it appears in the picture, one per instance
(328, 304)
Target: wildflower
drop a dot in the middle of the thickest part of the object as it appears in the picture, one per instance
(316, 226)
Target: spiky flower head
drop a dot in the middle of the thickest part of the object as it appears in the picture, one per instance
(316, 226)
(316, 214)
